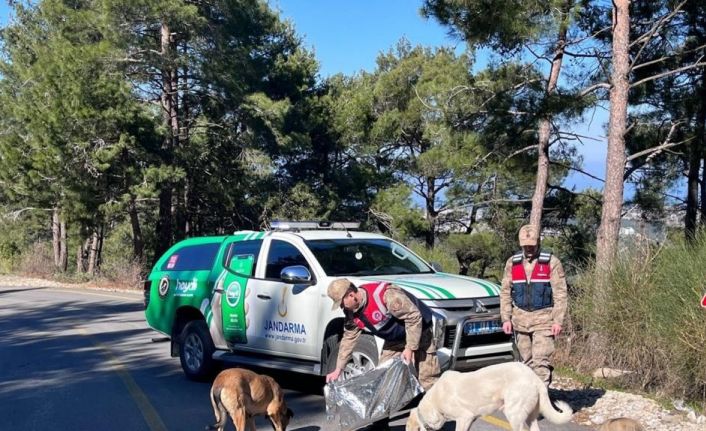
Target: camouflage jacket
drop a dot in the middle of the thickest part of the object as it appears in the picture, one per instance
(528, 321)
(400, 306)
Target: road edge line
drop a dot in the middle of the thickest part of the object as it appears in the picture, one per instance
(149, 413)
(497, 422)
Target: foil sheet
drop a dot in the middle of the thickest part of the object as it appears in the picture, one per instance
(366, 398)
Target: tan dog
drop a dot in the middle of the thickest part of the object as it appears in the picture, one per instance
(244, 394)
(511, 387)
(621, 424)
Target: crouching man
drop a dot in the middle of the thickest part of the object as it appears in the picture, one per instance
(388, 312)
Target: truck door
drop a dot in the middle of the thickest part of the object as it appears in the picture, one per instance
(239, 266)
(284, 316)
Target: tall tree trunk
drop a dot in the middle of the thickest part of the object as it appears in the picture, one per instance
(79, 258)
(607, 241)
(692, 189)
(138, 242)
(184, 124)
(694, 177)
(63, 252)
(431, 213)
(178, 211)
(700, 143)
(545, 123)
(187, 213)
(702, 185)
(101, 240)
(164, 221)
(93, 253)
(169, 112)
(56, 236)
(472, 219)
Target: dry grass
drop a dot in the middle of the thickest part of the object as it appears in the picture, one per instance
(116, 272)
(37, 261)
(652, 323)
(122, 273)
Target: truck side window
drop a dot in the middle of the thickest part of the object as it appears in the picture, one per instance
(192, 258)
(242, 249)
(283, 254)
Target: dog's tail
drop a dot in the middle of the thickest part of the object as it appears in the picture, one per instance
(562, 416)
(218, 409)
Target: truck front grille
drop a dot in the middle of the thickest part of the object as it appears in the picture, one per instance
(473, 340)
(449, 336)
(480, 340)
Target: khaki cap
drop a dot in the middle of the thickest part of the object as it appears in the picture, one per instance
(529, 235)
(337, 290)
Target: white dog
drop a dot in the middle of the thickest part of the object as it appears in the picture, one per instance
(462, 397)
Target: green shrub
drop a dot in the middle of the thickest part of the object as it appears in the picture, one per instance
(441, 254)
(118, 266)
(652, 322)
(484, 253)
(16, 238)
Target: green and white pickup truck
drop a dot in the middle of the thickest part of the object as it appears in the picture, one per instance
(260, 298)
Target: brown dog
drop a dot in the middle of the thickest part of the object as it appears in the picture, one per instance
(621, 424)
(244, 394)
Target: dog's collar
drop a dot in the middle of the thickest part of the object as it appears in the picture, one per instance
(423, 424)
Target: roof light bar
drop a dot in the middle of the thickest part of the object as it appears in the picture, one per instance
(312, 225)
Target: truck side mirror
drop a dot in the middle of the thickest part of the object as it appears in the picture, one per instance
(436, 266)
(296, 274)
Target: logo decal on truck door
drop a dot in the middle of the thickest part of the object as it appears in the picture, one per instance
(233, 294)
(163, 286)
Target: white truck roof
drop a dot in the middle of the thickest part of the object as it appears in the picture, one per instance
(333, 234)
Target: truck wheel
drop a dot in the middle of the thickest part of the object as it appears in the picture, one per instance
(196, 351)
(365, 356)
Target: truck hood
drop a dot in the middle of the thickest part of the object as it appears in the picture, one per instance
(439, 285)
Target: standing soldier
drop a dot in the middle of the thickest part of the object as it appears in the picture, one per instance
(386, 311)
(533, 302)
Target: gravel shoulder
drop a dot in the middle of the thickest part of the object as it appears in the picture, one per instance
(592, 406)
(23, 281)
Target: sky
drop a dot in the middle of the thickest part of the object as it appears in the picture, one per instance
(4, 12)
(347, 36)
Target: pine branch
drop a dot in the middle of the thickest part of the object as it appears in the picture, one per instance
(662, 146)
(650, 34)
(667, 57)
(669, 72)
(14, 215)
(596, 199)
(576, 136)
(573, 168)
(654, 151)
(594, 87)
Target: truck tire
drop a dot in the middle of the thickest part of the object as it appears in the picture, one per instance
(365, 356)
(196, 351)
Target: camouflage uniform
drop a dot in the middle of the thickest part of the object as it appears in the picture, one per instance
(533, 328)
(420, 341)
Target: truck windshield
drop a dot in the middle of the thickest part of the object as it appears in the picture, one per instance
(361, 257)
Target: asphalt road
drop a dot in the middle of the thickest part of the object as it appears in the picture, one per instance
(85, 359)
